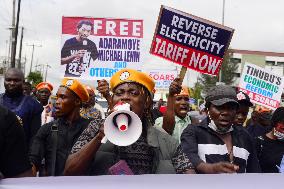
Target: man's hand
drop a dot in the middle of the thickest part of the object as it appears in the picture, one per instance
(78, 55)
(221, 167)
(103, 88)
(175, 87)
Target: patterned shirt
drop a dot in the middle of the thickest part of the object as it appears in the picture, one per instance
(90, 113)
(139, 156)
(180, 125)
(181, 162)
(151, 154)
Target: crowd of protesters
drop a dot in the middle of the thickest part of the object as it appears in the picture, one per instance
(42, 135)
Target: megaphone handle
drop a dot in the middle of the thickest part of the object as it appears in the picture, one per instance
(104, 140)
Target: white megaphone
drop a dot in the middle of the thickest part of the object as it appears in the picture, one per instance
(122, 127)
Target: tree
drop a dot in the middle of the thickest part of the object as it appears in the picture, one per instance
(35, 78)
(227, 73)
(195, 92)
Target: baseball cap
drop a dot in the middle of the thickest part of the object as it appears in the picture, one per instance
(244, 98)
(221, 94)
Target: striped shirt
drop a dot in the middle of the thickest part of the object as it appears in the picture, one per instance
(201, 144)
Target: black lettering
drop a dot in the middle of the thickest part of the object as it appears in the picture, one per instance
(266, 76)
(278, 82)
(248, 70)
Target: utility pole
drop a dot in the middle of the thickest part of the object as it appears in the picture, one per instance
(15, 39)
(47, 66)
(20, 52)
(12, 42)
(223, 21)
(33, 45)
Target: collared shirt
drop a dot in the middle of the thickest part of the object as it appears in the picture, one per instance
(162, 144)
(201, 144)
(67, 136)
(180, 125)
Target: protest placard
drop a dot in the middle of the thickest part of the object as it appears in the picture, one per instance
(163, 78)
(262, 86)
(190, 41)
(96, 48)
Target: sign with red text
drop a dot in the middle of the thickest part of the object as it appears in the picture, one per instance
(190, 41)
(262, 86)
(163, 78)
(96, 48)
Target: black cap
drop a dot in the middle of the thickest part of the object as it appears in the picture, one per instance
(221, 94)
(244, 98)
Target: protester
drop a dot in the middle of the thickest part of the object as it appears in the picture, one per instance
(260, 122)
(55, 139)
(175, 119)
(27, 88)
(156, 110)
(244, 105)
(103, 88)
(78, 51)
(150, 154)
(26, 107)
(88, 111)
(216, 145)
(34, 92)
(270, 146)
(44, 90)
(14, 153)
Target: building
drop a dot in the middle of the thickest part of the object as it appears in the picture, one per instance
(271, 61)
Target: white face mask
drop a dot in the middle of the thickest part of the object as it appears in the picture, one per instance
(221, 130)
(279, 135)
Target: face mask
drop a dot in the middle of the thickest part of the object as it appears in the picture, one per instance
(222, 130)
(279, 135)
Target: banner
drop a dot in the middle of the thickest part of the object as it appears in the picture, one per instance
(163, 78)
(96, 48)
(190, 41)
(262, 86)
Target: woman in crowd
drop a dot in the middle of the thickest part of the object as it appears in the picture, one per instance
(150, 154)
(270, 146)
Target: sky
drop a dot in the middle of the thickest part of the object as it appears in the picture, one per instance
(258, 25)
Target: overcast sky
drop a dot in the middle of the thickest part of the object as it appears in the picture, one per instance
(258, 24)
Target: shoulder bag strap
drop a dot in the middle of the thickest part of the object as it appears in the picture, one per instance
(54, 137)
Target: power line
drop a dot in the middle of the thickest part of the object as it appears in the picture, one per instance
(33, 45)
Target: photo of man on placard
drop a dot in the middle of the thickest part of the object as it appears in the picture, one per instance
(79, 51)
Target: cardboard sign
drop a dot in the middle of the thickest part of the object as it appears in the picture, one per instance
(190, 41)
(96, 48)
(163, 78)
(262, 86)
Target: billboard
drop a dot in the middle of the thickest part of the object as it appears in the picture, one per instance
(190, 41)
(262, 86)
(163, 78)
(96, 48)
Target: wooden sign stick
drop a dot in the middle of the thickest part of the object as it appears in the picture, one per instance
(182, 73)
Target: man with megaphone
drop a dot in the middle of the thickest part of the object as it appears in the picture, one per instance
(129, 133)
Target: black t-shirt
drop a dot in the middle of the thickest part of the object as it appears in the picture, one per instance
(67, 136)
(13, 148)
(270, 153)
(72, 46)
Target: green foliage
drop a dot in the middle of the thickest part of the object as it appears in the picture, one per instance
(227, 69)
(195, 92)
(35, 78)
